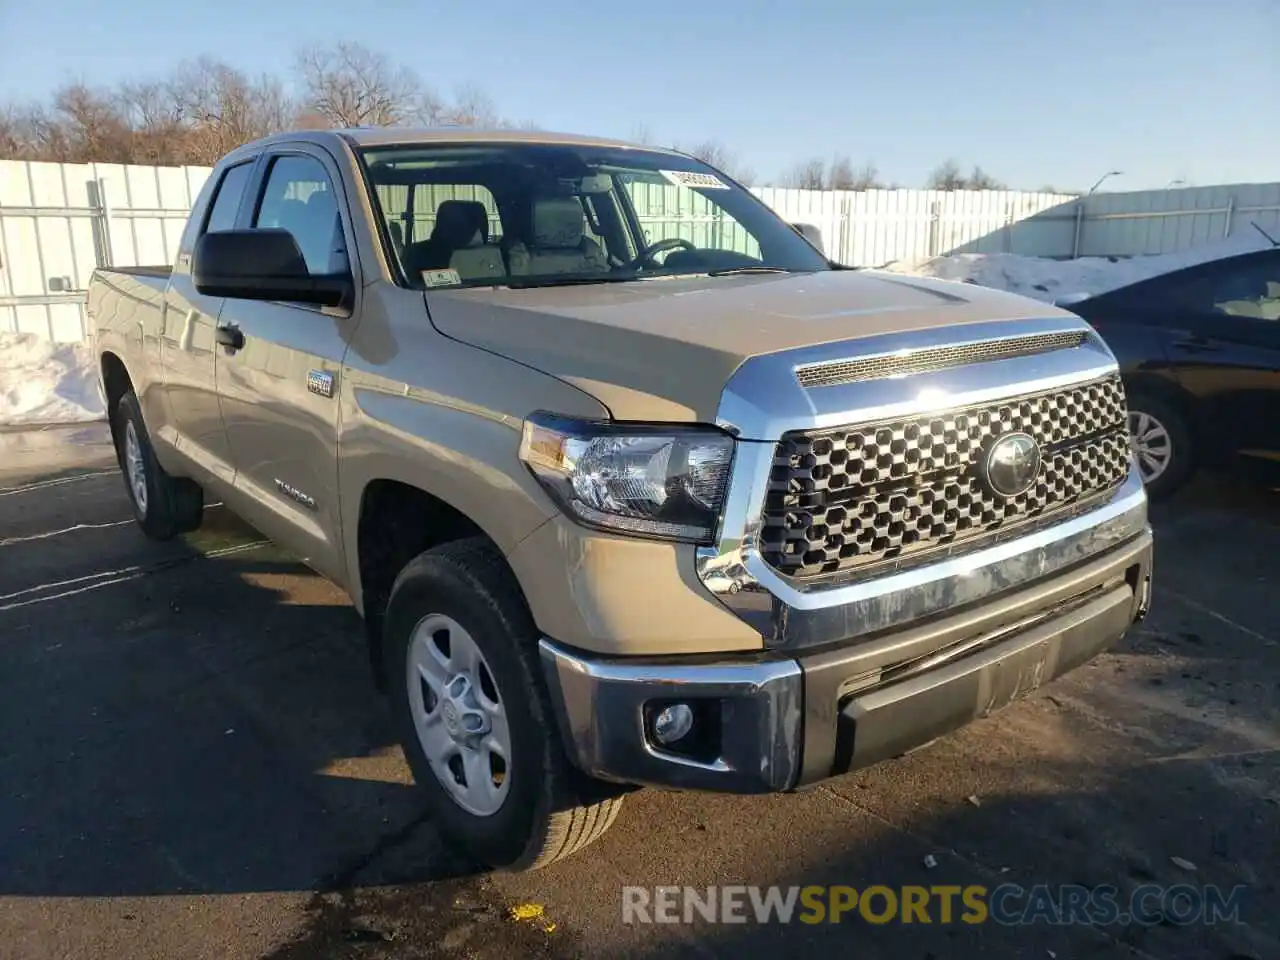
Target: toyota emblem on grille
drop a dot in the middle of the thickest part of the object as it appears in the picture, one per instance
(1012, 464)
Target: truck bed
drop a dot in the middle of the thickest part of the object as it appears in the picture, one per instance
(124, 298)
(161, 272)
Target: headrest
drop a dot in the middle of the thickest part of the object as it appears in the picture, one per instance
(461, 223)
(557, 222)
(290, 213)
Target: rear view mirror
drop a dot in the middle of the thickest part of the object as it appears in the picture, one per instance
(810, 233)
(263, 264)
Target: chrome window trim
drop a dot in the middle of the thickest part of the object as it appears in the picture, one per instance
(763, 400)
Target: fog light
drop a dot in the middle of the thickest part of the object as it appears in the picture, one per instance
(672, 723)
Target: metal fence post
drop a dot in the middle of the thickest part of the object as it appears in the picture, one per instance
(1231, 212)
(104, 213)
(1075, 244)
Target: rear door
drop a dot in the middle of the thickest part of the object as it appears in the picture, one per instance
(187, 347)
(279, 392)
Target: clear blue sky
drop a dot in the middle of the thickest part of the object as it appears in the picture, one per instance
(1037, 92)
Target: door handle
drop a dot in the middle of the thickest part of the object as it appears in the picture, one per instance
(229, 336)
(1196, 345)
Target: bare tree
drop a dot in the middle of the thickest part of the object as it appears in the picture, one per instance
(640, 133)
(981, 180)
(808, 175)
(472, 107)
(842, 176)
(156, 122)
(93, 125)
(716, 154)
(350, 85)
(222, 108)
(17, 133)
(946, 176)
(206, 108)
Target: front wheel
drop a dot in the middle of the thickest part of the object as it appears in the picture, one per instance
(1162, 444)
(474, 716)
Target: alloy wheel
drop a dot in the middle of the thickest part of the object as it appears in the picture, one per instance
(1152, 445)
(458, 715)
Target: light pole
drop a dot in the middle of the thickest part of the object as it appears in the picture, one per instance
(1109, 173)
(1175, 183)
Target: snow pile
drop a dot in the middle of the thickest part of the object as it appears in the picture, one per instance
(1050, 280)
(43, 382)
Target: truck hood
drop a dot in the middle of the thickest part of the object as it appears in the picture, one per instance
(663, 349)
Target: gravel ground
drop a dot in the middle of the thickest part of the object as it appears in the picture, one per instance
(193, 764)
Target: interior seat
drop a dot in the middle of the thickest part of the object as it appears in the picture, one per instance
(460, 224)
(557, 241)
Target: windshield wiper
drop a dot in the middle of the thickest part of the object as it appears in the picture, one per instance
(515, 284)
(736, 271)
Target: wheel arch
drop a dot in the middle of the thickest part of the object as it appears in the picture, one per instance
(1165, 388)
(116, 382)
(399, 520)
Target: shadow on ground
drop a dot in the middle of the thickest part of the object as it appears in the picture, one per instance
(205, 723)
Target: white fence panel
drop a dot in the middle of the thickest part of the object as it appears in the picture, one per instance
(1165, 221)
(59, 221)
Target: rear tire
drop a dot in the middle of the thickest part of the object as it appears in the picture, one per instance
(164, 506)
(456, 611)
(1162, 444)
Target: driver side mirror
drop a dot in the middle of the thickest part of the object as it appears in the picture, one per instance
(263, 264)
(810, 233)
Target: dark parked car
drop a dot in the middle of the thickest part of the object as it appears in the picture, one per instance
(1199, 349)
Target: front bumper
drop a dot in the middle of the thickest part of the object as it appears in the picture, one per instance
(785, 721)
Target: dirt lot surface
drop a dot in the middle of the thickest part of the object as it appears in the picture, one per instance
(193, 764)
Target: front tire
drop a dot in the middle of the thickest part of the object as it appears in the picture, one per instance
(473, 713)
(1162, 444)
(164, 506)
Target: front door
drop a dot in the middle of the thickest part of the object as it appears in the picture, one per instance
(279, 391)
(1231, 358)
(187, 348)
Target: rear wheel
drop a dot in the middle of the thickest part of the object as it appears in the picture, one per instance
(474, 716)
(164, 506)
(1162, 444)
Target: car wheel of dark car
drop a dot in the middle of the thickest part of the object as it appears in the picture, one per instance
(1162, 444)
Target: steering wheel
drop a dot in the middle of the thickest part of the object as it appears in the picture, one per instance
(646, 255)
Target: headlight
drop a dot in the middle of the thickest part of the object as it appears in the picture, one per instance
(661, 480)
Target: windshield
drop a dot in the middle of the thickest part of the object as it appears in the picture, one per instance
(528, 215)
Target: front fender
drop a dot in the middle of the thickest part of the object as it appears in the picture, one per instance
(447, 420)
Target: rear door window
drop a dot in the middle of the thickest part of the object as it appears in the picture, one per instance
(226, 202)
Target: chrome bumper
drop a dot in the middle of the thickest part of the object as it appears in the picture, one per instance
(788, 720)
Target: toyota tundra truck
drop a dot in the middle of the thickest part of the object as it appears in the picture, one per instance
(630, 482)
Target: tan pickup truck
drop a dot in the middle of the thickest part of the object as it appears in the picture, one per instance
(631, 484)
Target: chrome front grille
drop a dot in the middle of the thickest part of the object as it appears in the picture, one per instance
(851, 498)
(830, 373)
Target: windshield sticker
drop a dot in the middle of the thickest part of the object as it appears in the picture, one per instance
(698, 181)
(441, 278)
